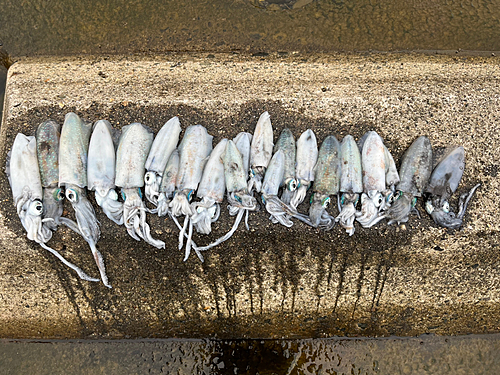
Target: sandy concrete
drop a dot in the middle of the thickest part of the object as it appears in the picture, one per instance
(271, 281)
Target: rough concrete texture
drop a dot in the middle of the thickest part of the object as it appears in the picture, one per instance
(271, 281)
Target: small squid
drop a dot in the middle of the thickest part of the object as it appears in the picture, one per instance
(327, 174)
(235, 173)
(280, 212)
(24, 178)
(286, 142)
(261, 152)
(194, 149)
(307, 155)
(351, 183)
(443, 183)
(163, 145)
(73, 176)
(131, 155)
(167, 186)
(379, 171)
(101, 171)
(211, 190)
(416, 167)
(47, 149)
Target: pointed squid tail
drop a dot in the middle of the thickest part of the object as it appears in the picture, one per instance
(464, 201)
(82, 275)
(100, 263)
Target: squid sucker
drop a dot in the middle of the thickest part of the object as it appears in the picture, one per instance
(327, 173)
(163, 145)
(261, 152)
(24, 178)
(101, 171)
(443, 183)
(194, 149)
(416, 167)
(351, 183)
(240, 202)
(307, 155)
(73, 176)
(286, 143)
(133, 148)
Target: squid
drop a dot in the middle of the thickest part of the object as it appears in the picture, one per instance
(307, 155)
(194, 150)
(24, 178)
(73, 151)
(379, 172)
(164, 144)
(327, 173)
(167, 186)
(47, 149)
(286, 142)
(133, 148)
(235, 172)
(261, 152)
(101, 171)
(280, 212)
(351, 183)
(443, 183)
(416, 167)
(211, 190)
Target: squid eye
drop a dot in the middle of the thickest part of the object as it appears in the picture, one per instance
(72, 195)
(190, 195)
(342, 199)
(325, 202)
(58, 195)
(357, 200)
(237, 197)
(292, 185)
(378, 200)
(399, 194)
(390, 198)
(414, 202)
(446, 207)
(263, 199)
(139, 192)
(36, 209)
(124, 197)
(149, 178)
(311, 199)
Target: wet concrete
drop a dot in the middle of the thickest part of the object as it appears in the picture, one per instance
(427, 354)
(271, 282)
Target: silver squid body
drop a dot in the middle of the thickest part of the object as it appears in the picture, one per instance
(286, 143)
(101, 171)
(351, 183)
(307, 155)
(261, 152)
(243, 142)
(73, 154)
(133, 149)
(327, 173)
(167, 186)
(416, 167)
(443, 183)
(163, 145)
(24, 178)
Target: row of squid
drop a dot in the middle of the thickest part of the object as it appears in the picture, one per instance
(100, 158)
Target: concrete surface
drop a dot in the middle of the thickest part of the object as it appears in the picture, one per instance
(272, 281)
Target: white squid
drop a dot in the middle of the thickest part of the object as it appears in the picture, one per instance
(307, 155)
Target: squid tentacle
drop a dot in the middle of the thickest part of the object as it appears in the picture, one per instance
(299, 195)
(278, 210)
(152, 188)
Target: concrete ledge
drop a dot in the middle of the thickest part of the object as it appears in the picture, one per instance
(272, 281)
